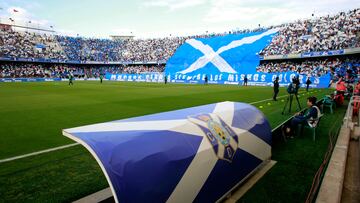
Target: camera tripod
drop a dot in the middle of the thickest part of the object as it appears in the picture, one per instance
(290, 98)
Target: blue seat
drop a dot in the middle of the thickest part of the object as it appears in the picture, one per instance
(328, 102)
(301, 127)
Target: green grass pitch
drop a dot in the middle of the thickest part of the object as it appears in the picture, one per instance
(33, 115)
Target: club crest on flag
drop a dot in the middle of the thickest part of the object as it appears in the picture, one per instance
(223, 140)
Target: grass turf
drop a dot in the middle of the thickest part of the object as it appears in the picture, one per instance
(298, 160)
(33, 115)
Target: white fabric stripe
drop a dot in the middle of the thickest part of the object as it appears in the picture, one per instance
(229, 108)
(222, 65)
(214, 57)
(252, 144)
(199, 122)
(215, 118)
(189, 128)
(246, 40)
(221, 150)
(233, 143)
(129, 126)
(196, 174)
(209, 56)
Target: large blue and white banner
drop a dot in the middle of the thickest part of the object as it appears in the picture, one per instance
(143, 77)
(226, 60)
(191, 155)
(226, 54)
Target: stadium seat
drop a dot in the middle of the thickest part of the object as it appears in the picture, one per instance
(300, 129)
(328, 102)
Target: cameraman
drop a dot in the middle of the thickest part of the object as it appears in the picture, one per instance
(293, 86)
(297, 83)
(293, 89)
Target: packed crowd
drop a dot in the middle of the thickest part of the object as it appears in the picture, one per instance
(82, 49)
(30, 70)
(150, 49)
(29, 45)
(136, 69)
(321, 34)
(336, 66)
(325, 33)
(103, 50)
(38, 71)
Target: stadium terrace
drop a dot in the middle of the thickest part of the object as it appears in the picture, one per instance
(323, 34)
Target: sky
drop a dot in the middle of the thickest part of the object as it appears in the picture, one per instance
(162, 18)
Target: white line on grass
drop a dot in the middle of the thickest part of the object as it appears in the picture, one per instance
(74, 144)
(276, 97)
(267, 99)
(38, 152)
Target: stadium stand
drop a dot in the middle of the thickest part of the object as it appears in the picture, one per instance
(325, 33)
(29, 45)
(318, 67)
(150, 49)
(31, 70)
(318, 34)
(82, 49)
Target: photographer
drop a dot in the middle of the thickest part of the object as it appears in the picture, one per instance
(310, 116)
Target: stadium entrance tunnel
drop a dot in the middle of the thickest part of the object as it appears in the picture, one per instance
(196, 154)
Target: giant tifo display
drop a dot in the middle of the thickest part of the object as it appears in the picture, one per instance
(228, 60)
(196, 154)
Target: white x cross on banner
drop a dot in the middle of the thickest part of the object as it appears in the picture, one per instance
(210, 56)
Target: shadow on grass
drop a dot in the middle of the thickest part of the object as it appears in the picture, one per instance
(298, 160)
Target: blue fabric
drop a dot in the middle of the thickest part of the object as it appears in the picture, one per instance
(243, 59)
(129, 159)
(147, 165)
(226, 175)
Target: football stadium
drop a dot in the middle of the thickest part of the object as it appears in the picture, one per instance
(246, 102)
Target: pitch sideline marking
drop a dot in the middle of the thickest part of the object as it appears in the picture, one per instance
(267, 100)
(74, 144)
(38, 152)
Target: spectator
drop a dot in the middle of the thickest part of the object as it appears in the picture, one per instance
(316, 68)
(321, 34)
(30, 70)
(310, 117)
